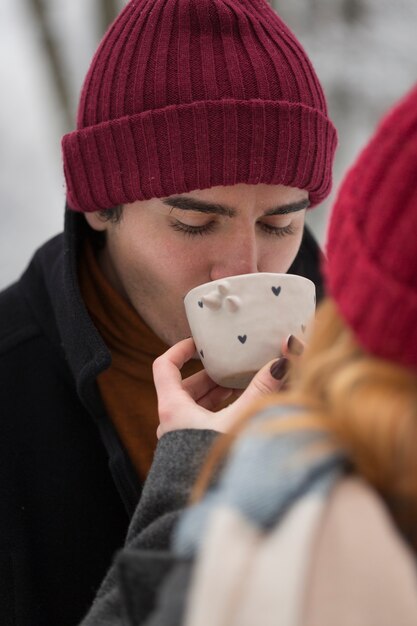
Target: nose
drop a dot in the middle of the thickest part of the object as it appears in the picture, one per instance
(239, 256)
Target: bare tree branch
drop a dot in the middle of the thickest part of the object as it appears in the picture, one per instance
(55, 61)
(108, 11)
(353, 10)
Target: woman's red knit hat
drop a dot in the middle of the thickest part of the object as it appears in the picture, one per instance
(191, 94)
(372, 242)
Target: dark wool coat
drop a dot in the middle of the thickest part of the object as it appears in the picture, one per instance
(67, 487)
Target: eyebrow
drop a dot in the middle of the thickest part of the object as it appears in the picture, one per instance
(192, 204)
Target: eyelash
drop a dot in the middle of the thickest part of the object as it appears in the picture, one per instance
(193, 231)
(278, 231)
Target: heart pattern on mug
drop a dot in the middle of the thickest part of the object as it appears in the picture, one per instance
(225, 310)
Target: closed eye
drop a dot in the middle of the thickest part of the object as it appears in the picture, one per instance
(278, 231)
(187, 229)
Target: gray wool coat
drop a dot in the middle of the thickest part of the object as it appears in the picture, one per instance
(133, 591)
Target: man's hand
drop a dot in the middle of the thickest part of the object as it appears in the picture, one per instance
(190, 403)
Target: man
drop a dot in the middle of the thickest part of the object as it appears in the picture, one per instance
(202, 137)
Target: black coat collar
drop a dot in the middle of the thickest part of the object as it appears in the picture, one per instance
(50, 285)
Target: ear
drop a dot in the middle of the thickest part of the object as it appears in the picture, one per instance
(96, 221)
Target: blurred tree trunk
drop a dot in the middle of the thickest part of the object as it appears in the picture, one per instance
(108, 11)
(39, 9)
(353, 10)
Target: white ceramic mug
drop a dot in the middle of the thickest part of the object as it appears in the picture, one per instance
(238, 323)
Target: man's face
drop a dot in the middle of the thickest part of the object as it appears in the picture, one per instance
(162, 248)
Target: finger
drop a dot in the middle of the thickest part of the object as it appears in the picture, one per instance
(215, 398)
(279, 369)
(293, 346)
(179, 353)
(166, 368)
(198, 385)
(269, 379)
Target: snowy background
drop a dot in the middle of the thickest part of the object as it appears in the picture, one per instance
(364, 51)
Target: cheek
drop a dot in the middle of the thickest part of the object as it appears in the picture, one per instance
(294, 245)
(278, 256)
(164, 265)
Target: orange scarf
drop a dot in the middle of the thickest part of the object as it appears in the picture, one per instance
(127, 386)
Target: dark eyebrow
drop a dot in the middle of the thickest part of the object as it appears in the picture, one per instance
(192, 204)
(293, 207)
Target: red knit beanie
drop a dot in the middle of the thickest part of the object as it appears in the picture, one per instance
(372, 242)
(191, 94)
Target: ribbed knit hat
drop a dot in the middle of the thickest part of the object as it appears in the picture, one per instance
(191, 94)
(371, 269)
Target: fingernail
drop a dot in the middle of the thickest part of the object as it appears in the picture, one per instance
(279, 368)
(295, 347)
